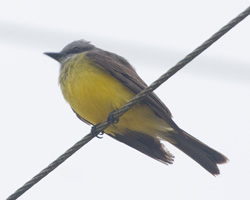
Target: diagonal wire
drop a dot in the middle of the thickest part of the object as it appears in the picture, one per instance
(99, 128)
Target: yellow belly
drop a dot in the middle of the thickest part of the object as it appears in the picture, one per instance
(93, 93)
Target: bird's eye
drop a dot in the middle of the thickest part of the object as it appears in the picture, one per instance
(76, 49)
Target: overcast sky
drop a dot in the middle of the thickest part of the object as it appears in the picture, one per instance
(209, 98)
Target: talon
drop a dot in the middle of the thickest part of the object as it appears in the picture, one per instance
(93, 132)
(111, 119)
(99, 135)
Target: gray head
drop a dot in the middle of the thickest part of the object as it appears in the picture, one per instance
(71, 50)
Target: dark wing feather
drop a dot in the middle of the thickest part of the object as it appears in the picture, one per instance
(145, 144)
(124, 72)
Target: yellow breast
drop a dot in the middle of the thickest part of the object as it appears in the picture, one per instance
(92, 92)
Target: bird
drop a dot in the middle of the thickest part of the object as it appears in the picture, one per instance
(96, 82)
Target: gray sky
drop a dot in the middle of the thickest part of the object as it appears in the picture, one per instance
(209, 98)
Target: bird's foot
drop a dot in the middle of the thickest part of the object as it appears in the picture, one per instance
(95, 133)
(111, 119)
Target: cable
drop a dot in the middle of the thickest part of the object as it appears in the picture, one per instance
(118, 113)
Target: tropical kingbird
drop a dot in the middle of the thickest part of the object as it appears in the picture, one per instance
(96, 82)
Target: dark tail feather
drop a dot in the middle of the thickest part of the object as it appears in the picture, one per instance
(200, 152)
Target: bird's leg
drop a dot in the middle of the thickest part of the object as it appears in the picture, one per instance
(111, 119)
(95, 133)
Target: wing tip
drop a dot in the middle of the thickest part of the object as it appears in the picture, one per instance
(146, 144)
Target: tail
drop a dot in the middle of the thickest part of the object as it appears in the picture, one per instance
(207, 157)
(151, 146)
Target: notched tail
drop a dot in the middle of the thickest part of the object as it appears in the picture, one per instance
(200, 152)
(207, 157)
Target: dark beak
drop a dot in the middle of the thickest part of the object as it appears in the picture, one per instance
(56, 56)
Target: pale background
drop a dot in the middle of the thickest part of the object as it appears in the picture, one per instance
(209, 98)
